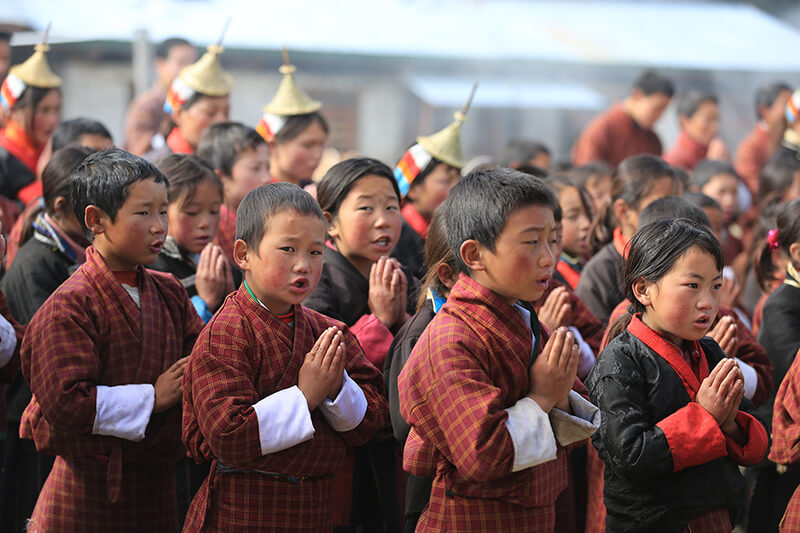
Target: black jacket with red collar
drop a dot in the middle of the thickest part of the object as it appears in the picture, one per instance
(667, 460)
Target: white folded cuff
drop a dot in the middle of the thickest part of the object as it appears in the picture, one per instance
(577, 426)
(283, 420)
(530, 431)
(750, 378)
(587, 358)
(348, 409)
(124, 411)
(8, 341)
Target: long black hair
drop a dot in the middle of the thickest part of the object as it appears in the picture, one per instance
(654, 250)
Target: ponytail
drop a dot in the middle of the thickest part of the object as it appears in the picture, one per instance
(437, 253)
(786, 233)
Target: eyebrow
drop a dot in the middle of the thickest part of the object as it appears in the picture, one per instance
(371, 196)
(698, 276)
(534, 228)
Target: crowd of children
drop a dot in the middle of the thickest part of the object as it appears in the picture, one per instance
(196, 336)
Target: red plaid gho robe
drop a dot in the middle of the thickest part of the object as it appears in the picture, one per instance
(90, 332)
(785, 449)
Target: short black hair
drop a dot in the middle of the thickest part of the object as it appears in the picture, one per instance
(522, 151)
(222, 144)
(583, 173)
(70, 131)
(650, 82)
(479, 205)
(165, 47)
(692, 101)
(339, 179)
(5, 36)
(297, 124)
(708, 169)
(766, 95)
(103, 180)
(703, 201)
(672, 207)
(262, 203)
(185, 173)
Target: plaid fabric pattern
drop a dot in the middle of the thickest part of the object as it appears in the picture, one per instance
(9, 372)
(714, 522)
(226, 235)
(245, 354)
(469, 365)
(580, 317)
(595, 505)
(786, 419)
(790, 523)
(446, 512)
(74, 499)
(90, 332)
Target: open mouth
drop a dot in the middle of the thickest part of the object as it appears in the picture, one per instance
(703, 322)
(156, 246)
(300, 284)
(383, 242)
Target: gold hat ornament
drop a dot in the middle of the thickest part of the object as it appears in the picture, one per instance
(289, 101)
(205, 76)
(34, 72)
(444, 146)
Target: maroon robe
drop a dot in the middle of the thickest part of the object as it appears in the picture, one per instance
(9, 372)
(785, 448)
(245, 354)
(90, 332)
(469, 365)
(613, 137)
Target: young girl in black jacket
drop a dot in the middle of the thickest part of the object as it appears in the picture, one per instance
(675, 424)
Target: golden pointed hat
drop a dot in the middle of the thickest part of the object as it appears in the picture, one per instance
(34, 72)
(206, 76)
(290, 100)
(445, 145)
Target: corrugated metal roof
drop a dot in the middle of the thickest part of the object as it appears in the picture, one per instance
(710, 36)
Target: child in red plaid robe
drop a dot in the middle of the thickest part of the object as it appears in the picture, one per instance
(275, 392)
(103, 359)
(488, 400)
(785, 451)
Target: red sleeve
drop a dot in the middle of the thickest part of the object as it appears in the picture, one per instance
(374, 338)
(748, 165)
(693, 436)
(11, 370)
(755, 446)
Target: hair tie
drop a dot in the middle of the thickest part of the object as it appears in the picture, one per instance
(772, 238)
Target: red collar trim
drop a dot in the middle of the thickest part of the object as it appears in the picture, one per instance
(620, 243)
(178, 143)
(14, 139)
(126, 277)
(673, 355)
(571, 276)
(288, 317)
(417, 222)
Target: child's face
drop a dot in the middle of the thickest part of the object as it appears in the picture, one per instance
(250, 171)
(200, 115)
(647, 109)
(296, 160)
(194, 223)
(684, 302)
(724, 189)
(288, 263)
(703, 125)
(46, 117)
(434, 189)
(575, 223)
(599, 187)
(368, 223)
(524, 257)
(136, 235)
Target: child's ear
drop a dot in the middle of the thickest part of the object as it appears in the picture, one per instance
(446, 275)
(620, 208)
(641, 290)
(61, 205)
(333, 225)
(472, 255)
(240, 254)
(794, 251)
(95, 219)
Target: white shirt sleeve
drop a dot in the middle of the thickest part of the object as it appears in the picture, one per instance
(531, 433)
(283, 420)
(586, 355)
(124, 411)
(750, 378)
(348, 409)
(580, 425)
(8, 341)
